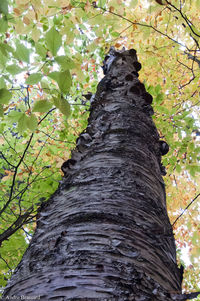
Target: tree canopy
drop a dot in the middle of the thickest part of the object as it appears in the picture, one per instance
(51, 54)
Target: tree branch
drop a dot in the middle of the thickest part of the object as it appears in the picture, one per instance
(141, 24)
(19, 163)
(185, 209)
(16, 225)
(7, 160)
(186, 20)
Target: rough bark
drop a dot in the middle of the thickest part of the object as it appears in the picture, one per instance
(105, 233)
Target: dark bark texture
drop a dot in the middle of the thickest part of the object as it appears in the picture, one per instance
(105, 233)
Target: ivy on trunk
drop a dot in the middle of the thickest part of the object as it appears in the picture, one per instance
(105, 233)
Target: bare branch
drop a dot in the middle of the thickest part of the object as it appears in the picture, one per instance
(185, 209)
(189, 22)
(6, 263)
(16, 225)
(19, 163)
(6, 160)
(54, 139)
(142, 24)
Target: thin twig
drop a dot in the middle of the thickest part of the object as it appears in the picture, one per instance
(54, 139)
(183, 110)
(16, 225)
(46, 115)
(15, 174)
(189, 22)
(28, 96)
(185, 209)
(184, 65)
(19, 163)
(6, 263)
(141, 24)
(7, 160)
(182, 86)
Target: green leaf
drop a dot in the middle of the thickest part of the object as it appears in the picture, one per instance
(158, 89)
(63, 79)
(1, 111)
(172, 160)
(64, 107)
(56, 101)
(22, 53)
(102, 3)
(2, 83)
(42, 106)
(4, 7)
(22, 123)
(33, 78)
(54, 75)
(32, 122)
(14, 116)
(3, 61)
(5, 96)
(53, 40)
(62, 104)
(115, 34)
(3, 25)
(65, 62)
(3, 49)
(159, 98)
(14, 69)
(178, 168)
(44, 84)
(40, 50)
(191, 146)
(2, 280)
(58, 19)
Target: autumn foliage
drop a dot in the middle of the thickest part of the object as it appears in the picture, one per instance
(51, 54)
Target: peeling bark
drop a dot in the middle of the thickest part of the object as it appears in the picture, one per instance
(105, 233)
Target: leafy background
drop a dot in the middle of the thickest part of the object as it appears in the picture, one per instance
(51, 54)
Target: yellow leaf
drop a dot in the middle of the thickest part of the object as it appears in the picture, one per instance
(5, 178)
(20, 28)
(36, 4)
(70, 37)
(133, 3)
(22, 2)
(63, 3)
(31, 15)
(78, 71)
(36, 34)
(91, 47)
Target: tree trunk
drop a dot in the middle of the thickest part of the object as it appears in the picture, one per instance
(105, 233)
